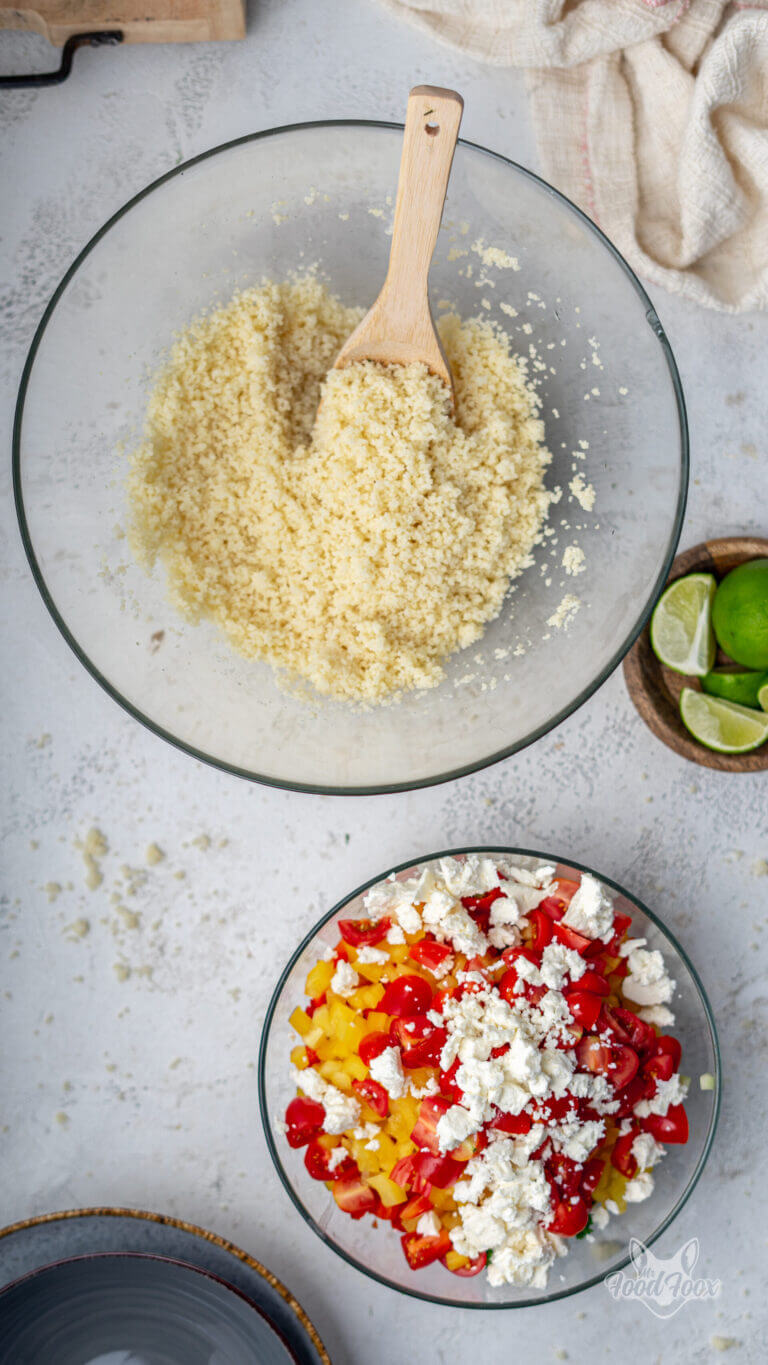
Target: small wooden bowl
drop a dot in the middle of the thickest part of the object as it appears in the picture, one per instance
(655, 690)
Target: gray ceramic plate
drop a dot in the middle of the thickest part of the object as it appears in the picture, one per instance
(122, 1287)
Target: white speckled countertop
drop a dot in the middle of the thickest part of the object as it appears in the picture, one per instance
(142, 1091)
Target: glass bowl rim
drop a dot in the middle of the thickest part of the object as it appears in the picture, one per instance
(447, 1302)
(380, 788)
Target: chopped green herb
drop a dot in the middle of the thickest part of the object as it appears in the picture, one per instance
(584, 1230)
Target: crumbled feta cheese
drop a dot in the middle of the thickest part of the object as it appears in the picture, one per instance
(341, 1111)
(395, 934)
(600, 1216)
(344, 979)
(387, 1069)
(630, 944)
(368, 954)
(590, 911)
(612, 1206)
(635, 1191)
(647, 982)
(454, 1126)
(658, 1015)
(429, 1225)
(328, 953)
(647, 1151)
(336, 1157)
(578, 1140)
(558, 963)
(668, 1093)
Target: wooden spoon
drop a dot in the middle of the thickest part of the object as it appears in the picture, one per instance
(398, 329)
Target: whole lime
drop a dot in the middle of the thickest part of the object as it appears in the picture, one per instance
(740, 614)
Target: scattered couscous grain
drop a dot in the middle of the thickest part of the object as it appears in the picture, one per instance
(358, 550)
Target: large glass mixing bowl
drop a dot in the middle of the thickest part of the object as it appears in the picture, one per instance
(321, 194)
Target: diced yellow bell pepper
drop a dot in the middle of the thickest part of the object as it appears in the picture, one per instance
(453, 1261)
(319, 979)
(355, 1068)
(301, 1022)
(388, 1192)
(299, 1057)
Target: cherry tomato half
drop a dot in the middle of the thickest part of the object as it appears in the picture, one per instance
(670, 1127)
(406, 995)
(584, 1006)
(542, 929)
(430, 954)
(414, 1207)
(425, 1130)
(441, 1171)
(372, 1045)
(353, 1196)
(419, 1040)
(619, 1064)
(621, 1154)
(421, 1251)
(304, 1119)
(563, 1172)
(570, 1216)
(571, 939)
(374, 1095)
(364, 933)
(556, 904)
(591, 1175)
(627, 1028)
(317, 1159)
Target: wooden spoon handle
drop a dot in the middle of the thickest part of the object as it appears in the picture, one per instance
(431, 130)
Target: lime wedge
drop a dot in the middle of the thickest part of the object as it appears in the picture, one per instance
(722, 725)
(681, 625)
(762, 696)
(741, 685)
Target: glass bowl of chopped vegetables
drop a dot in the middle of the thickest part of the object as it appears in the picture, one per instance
(484, 1074)
(184, 625)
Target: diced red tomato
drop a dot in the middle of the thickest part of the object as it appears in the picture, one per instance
(542, 929)
(419, 1040)
(570, 1036)
(621, 1154)
(665, 1046)
(317, 1158)
(661, 1066)
(341, 953)
(374, 1095)
(425, 1130)
(471, 1146)
(372, 1045)
(364, 933)
(430, 954)
(591, 980)
(584, 1006)
(316, 1003)
(670, 1127)
(421, 1251)
(448, 1084)
(414, 1207)
(621, 924)
(570, 1216)
(555, 1108)
(389, 1215)
(639, 1088)
(627, 1028)
(353, 1196)
(612, 1060)
(406, 995)
(564, 1173)
(590, 1175)
(304, 1119)
(441, 1171)
(515, 1124)
(571, 939)
(479, 907)
(557, 903)
(473, 1268)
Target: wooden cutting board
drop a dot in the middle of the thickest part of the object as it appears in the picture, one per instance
(139, 21)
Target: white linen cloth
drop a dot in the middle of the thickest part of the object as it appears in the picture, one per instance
(652, 115)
